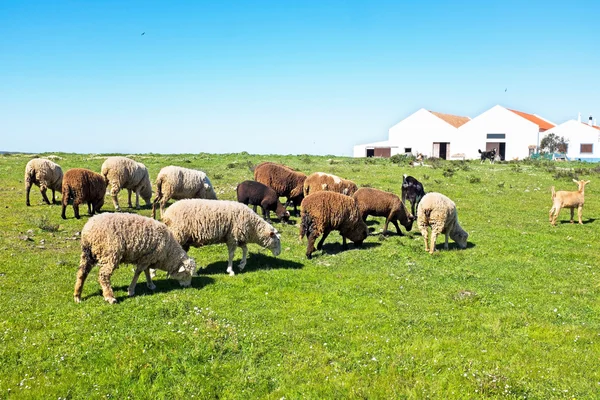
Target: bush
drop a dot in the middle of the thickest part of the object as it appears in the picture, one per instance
(448, 172)
(475, 179)
(44, 224)
(401, 158)
(565, 174)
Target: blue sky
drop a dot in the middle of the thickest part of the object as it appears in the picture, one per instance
(280, 77)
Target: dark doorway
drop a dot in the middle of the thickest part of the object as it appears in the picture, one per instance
(370, 152)
(499, 146)
(443, 148)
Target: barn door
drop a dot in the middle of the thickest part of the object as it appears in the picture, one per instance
(383, 152)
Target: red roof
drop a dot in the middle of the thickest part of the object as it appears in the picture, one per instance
(593, 126)
(543, 124)
(454, 120)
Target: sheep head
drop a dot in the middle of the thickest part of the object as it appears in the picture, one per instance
(185, 272)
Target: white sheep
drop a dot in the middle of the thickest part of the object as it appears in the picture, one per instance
(110, 239)
(439, 212)
(125, 173)
(181, 183)
(45, 174)
(199, 222)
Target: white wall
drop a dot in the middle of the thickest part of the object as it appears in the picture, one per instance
(420, 130)
(519, 133)
(578, 133)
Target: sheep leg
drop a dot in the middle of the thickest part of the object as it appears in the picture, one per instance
(129, 198)
(53, 197)
(446, 242)
(572, 214)
(27, 190)
(114, 193)
(266, 214)
(89, 204)
(551, 214)
(76, 208)
(579, 213)
(344, 244)
(244, 254)
(434, 235)
(325, 234)
(425, 234)
(43, 190)
(231, 247)
(106, 271)
(254, 207)
(137, 199)
(136, 275)
(397, 227)
(149, 282)
(85, 266)
(310, 247)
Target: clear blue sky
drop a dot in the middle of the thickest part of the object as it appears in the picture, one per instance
(280, 77)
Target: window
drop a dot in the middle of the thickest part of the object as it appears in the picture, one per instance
(408, 149)
(586, 148)
(496, 135)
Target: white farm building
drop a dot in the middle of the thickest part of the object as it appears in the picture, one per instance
(514, 134)
(583, 140)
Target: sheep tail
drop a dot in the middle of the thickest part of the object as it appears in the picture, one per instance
(479, 151)
(553, 192)
(306, 225)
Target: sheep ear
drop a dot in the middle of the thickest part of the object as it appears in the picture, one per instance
(271, 234)
(182, 269)
(576, 181)
(586, 182)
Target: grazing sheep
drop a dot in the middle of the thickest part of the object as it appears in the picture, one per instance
(124, 173)
(83, 186)
(199, 222)
(320, 181)
(324, 212)
(285, 181)
(383, 204)
(45, 174)
(569, 200)
(181, 183)
(439, 212)
(111, 239)
(257, 194)
(412, 190)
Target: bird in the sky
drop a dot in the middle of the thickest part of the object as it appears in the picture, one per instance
(504, 89)
(143, 33)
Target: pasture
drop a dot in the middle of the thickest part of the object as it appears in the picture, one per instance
(515, 315)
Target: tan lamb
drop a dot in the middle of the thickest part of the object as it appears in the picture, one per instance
(572, 200)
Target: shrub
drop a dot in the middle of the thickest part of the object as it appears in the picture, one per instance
(448, 172)
(565, 174)
(475, 179)
(44, 224)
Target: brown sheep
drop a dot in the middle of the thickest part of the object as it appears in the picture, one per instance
(383, 204)
(324, 212)
(320, 181)
(285, 181)
(571, 200)
(257, 194)
(83, 186)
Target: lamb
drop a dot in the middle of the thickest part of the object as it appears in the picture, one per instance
(570, 200)
(439, 212)
(199, 222)
(257, 194)
(412, 190)
(325, 211)
(383, 204)
(285, 181)
(111, 239)
(45, 174)
(321, 181)
(181, 183)
(125, 173)
(83, 186)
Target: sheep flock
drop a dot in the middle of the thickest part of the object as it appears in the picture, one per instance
(197, 218)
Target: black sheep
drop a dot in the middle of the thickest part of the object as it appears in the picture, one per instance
(257, 194)
(413, 191)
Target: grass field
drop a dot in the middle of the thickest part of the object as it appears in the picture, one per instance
(515, 315)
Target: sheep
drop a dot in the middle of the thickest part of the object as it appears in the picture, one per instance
(285, 181)
(412, 190)
(181, 183)
(383, 204)
(199, 222)
(570, 200)
(45, 174)
(255, 193)
(125, 173)
(110, 239)
(320, 181)
(83, 186)
(325, 211)
(439, 212)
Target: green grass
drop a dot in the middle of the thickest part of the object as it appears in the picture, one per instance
(515, 315)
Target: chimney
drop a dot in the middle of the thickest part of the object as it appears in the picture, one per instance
(590, 121)
(578, 117)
